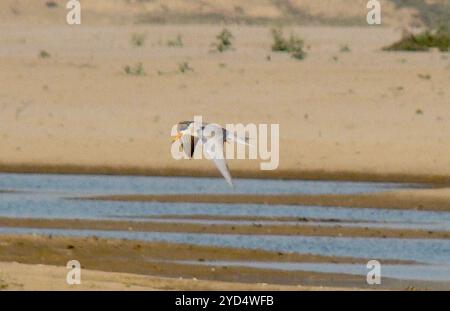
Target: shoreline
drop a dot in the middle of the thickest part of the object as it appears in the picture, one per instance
(160, 251)
(39, 277)
(57, 251)
(433, 199)
(287, 174)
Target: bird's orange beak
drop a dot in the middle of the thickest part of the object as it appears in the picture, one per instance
(176, 137)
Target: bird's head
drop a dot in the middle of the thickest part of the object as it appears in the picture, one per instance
(177, 137)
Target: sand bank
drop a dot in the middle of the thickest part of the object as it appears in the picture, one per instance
(254, 229)
(437, 199)
(140, 259)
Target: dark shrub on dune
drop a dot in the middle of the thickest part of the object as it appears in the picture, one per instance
(438, 38)
(292, 45)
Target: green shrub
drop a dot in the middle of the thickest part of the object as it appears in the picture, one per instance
(345, 48)
(293, 45)
(137, 70)
(138, 39)
(177, 42)
(184, 67)
(44, 54)
(224, 41)
(438, 38)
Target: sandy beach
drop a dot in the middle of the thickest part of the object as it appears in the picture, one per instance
(16, 276)
(362, 115)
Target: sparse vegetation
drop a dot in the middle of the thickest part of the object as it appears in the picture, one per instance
(3, 285)
(177, 42)
(345, 48)
(293, 45)
(44, 54)
(137, 70)
(138, 39)
(51, 4)
(424, 76)
(184, 67)
(438, 38)
(224, 41)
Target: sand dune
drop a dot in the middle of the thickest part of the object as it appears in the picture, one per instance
(343, 12)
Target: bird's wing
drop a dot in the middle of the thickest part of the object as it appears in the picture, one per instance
(183, 125)
(232, 137)
(218, 156)
(188, 143)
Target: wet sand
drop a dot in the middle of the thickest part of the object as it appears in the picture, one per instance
(302, 173)
(253, 218)
(145, 258)
(20, 245)
(255, 229)
(416, 199)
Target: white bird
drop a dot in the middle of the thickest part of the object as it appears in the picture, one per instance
(213, 138)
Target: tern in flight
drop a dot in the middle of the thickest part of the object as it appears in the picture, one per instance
(213, 137)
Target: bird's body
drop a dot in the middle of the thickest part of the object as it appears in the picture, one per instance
(213, 138)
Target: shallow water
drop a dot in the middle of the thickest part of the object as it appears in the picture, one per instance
(54, 206)
(425, 251)
(92, 185)
(44, 196)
